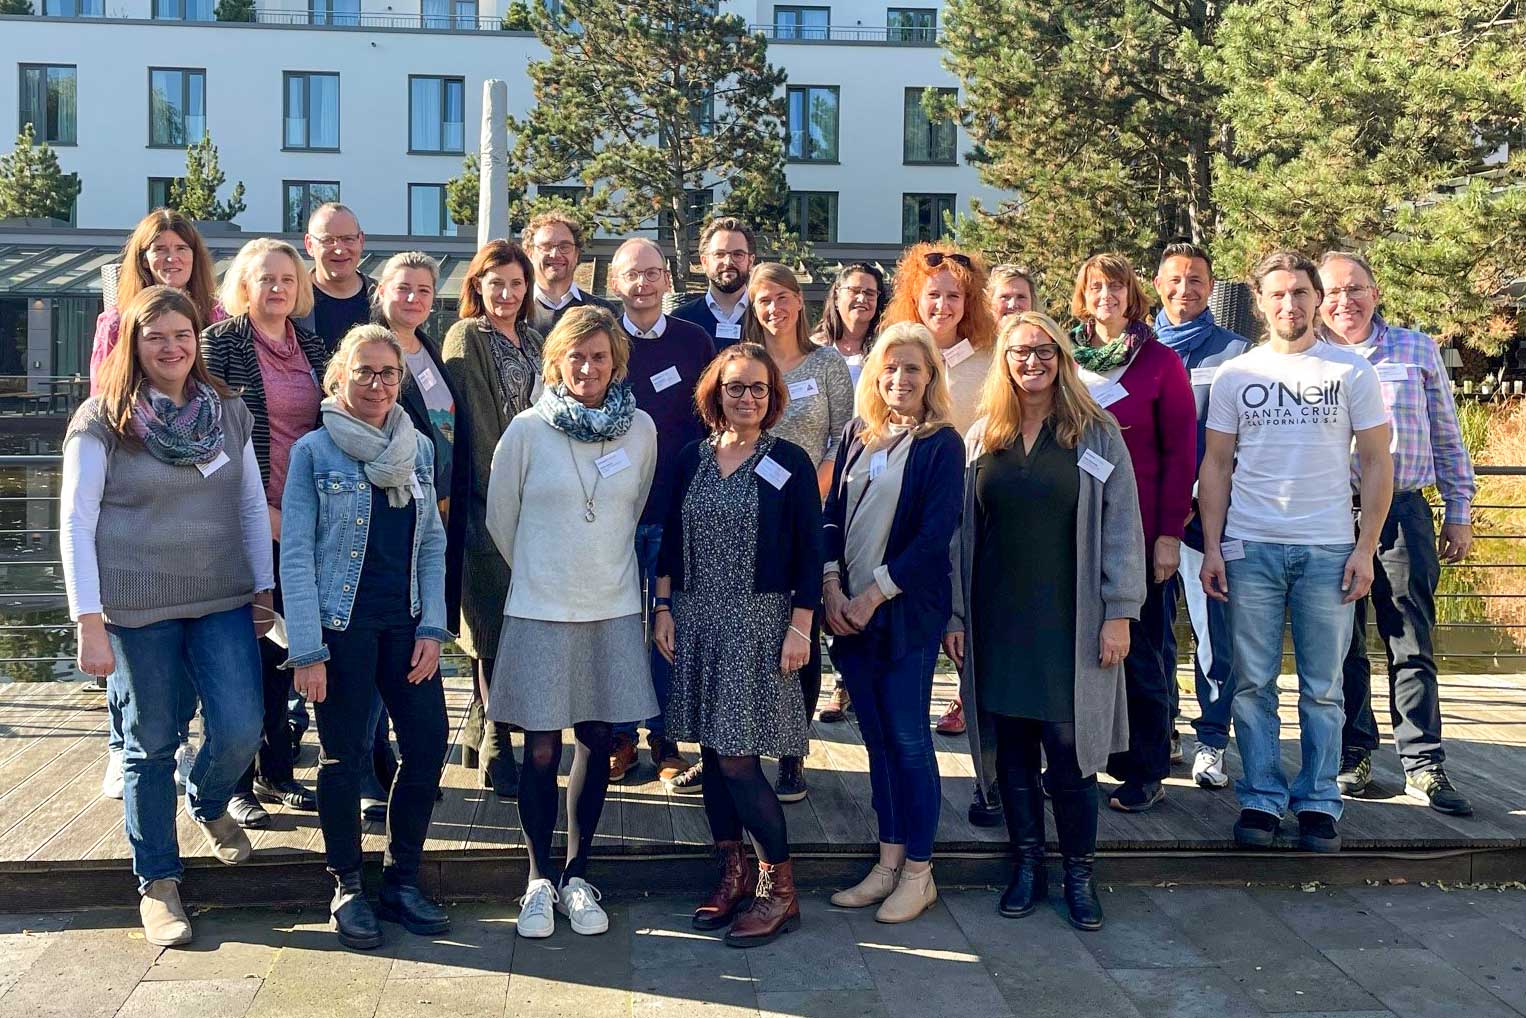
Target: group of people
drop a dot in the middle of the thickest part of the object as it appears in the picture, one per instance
(283, 493)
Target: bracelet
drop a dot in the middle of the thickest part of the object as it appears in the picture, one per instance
(804, 636)
(662, 608)
(662, 602)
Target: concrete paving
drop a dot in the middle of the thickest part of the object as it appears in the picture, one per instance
(1166, 952)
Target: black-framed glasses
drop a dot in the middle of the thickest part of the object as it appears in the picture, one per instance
(736, 390)
(368, 376)
(937, 258)
(1045, 352)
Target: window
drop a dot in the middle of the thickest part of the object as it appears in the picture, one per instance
(73, 8)
(701, 201)
(812, 216)
(49, 102)
(300, 197)
(437, 115)
(333, 12)
(802, 22)
(184, 10)
(813, 124)
(922, 216)
(912, 24)
(312, 111)
(427, 215)
(926, 140)
(177, 106)
(159, 191)
(450, 13)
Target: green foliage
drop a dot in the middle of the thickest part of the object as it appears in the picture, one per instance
(516, 18)
(234, 10)
(647, 102)
(32, 184)
(16, 7)
(195, 194)
(462, 194)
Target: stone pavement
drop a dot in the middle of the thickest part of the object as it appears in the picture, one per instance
(1391, 951)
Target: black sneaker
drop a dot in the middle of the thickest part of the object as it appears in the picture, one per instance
(1317, 832)
(691, 781)
(1256, 829)
(985, 813)
(1431, 786)
(1176, 749)
(1137, 797)
(247, 812)
(1356, 771)
(791, 784)
(289, 793)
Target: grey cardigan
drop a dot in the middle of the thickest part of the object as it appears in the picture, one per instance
(1110, 584)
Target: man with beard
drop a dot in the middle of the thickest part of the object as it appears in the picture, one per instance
(1275, 497)
(726, 252)
(554, 242)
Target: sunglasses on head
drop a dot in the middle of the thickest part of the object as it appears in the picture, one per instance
(937, 258)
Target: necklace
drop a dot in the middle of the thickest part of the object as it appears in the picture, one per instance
(588, 496)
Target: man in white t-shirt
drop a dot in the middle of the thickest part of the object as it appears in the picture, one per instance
(1281, 422)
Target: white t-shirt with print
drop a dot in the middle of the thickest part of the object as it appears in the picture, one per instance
(1294, 417)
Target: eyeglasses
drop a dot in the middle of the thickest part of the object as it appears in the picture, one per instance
(736, 390)
(738, 255)
(1348, 292)
(647, 275)
(368, 376)
(337, 240)
(566, 247)
(1044, 353)
(856, 292)
(937, 258)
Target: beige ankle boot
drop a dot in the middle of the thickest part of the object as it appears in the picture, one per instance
(164, 921)
(226, 840)
(913, 895)
(871, 890)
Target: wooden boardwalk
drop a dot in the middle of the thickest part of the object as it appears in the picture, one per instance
(56, 830)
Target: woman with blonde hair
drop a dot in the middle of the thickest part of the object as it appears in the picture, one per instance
(1050, 578)
(890, 514)
(275, 363)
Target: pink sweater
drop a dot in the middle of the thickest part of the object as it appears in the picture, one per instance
(108, 326)
(1159, 422)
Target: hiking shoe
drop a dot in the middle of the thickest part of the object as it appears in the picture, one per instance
(951, 722)
(1137, 797)
(1256, 829)
(1208, 767)
(1355, 773)
(1317, 832)
(1431, 786)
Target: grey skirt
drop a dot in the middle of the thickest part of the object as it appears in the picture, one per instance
(551, 675)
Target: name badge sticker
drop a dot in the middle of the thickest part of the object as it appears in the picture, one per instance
(213, 465)
(415, 487)
(1232, 550)
(803, 389)
(728, 330)
(772, 472)
(1390, 371)
(612, 462)
(958, 353)
(1203, 376)
(878, 462)
(427, 379)
(1109, 393)
(665, 379)
(1095, 465)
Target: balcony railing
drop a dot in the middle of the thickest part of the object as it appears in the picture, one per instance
(365, 19)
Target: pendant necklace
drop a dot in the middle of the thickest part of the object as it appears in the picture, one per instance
(588, 496)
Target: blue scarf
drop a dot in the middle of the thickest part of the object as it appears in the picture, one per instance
(1184, 339)
(588, 424)
(180, 435)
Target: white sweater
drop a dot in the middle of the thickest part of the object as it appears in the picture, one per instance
(565, 569)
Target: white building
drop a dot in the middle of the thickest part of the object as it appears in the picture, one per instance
(377, 103)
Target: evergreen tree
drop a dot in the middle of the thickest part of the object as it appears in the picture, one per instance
(32, 184)
(234, 10)
(651, 103)
(195, 194)
(16, 6)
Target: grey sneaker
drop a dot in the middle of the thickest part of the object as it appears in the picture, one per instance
(1355, 773)
(1431, 786)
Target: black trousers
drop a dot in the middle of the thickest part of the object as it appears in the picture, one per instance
(366, 661)
(1148, 679)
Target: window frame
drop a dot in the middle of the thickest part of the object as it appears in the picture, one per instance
(309, 201)
(444, 93)
(800, 29)
(911, 33)
(929, 126)
(797, 203)
(42, 135)
(184, 96)
(937, 197)
(307, 98)
(168, 183)
(445, 219)
(99, 12)
(789, 130)
(155, 11)
(321, 12)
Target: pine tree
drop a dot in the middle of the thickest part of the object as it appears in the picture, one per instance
(16, 7)
(653, 103)
(32, 184)
(196, 193)
(234, 10)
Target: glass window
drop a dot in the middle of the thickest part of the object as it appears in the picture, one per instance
(700, 203)
(813, 124)
(928, 141)
(437, 115)
(802, 22)
(427, 214)
(184, 10)
(159, 191)
(312, 111)
(333, 12)
(812, 216)
(74, 8)
(450, 13)
(49, 102)
(177, 106)
(922, 216)
(568, 192)
(912, 24)
(301, 197)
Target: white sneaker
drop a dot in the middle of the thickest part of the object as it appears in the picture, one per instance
(185, 757)
(536, 918)
(111, 781)
(579, 901)
(1208, 767)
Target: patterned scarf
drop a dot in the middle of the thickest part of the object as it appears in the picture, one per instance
(1110, 355)
(180, 435)
(589, 424)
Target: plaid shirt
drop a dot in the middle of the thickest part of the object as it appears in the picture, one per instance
(1427, 442)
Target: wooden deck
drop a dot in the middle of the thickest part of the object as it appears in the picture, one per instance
(61, 843)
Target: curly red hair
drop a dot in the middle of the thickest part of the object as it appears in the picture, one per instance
(912, 273)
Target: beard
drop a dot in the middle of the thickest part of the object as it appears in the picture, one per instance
(729, 283)
(1288, 333)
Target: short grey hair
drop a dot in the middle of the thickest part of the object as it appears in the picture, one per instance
(332, 206)
(1354, 259)
(359, 336)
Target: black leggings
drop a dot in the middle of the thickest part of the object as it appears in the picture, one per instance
(738, 795)
(1018, 741)
(586, 787)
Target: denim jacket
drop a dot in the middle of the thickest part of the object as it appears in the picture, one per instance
(324, 510)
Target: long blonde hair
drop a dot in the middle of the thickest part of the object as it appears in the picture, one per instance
(234, 295)
(1074, 409)
(937, 404)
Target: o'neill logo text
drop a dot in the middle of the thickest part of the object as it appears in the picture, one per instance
(1280, 402)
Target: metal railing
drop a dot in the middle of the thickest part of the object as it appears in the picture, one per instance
(366, 19)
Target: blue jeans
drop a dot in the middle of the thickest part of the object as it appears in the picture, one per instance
(219, 656)
(1273, 582)
(1213, 660)
(648, 541)
(893, 698)
(114, 710)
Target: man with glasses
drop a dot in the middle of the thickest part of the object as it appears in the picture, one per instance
(554, 242)
(341, 294)
(726, 250)
(667, 358)
(1427, 449)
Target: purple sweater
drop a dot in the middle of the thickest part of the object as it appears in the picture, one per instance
(1159, 422)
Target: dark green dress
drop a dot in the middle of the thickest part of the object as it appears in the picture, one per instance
(1023, 597)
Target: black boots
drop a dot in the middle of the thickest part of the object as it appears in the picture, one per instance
(1075, 819)
(405, 904)
(1025, 826)
(499, 771)
(353, 919)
